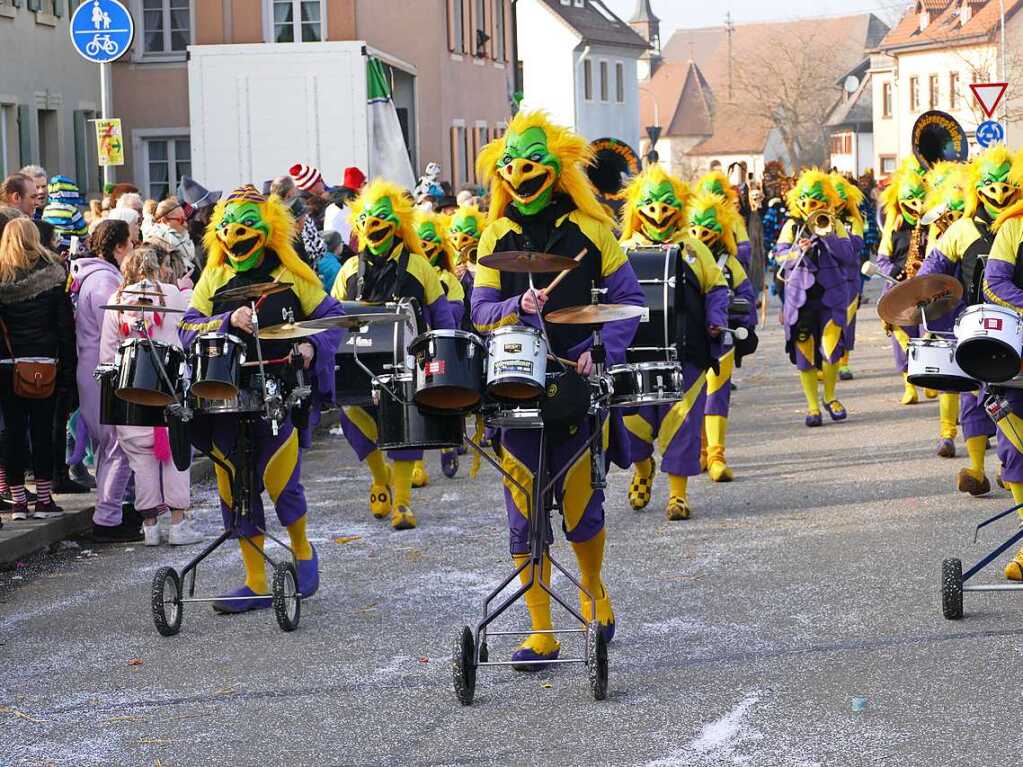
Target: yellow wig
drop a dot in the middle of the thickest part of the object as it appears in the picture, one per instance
(282, 229)
(958, 181)
(853, 197)
(1016, 178)
(440, 224)
(808, 178)
(909, 170)
(470, 211)
(725, 212)
(655, 174)
(573, 152)
(401, 203)
(717, 177)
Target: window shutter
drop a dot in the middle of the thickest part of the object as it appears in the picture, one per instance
(35, 5)
(25, 133)
(451, 25)
(58, 8)
(81, 150)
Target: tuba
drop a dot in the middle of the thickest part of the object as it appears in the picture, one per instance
(614, 162)
(939, 136)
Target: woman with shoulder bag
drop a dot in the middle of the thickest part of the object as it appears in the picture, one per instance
(37, 360)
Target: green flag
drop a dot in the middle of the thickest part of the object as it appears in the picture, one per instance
(388, 155)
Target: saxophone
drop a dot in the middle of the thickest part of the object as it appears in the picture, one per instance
(914, 259)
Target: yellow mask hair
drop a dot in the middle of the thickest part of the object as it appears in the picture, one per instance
(630, 221)
(730, 192)
(401, 204)
(957, 181)
(806, 179)
(440, 224)
(1016, 178)
(725, 213)
(853, 197)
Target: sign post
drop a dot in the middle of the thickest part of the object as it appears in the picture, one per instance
(102, 31)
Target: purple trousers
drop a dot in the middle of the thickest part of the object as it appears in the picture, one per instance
(973, 417)
(113, 472)
(360, 429)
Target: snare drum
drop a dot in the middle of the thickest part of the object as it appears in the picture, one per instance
(646, 383)
(382, 347)
(989, 342)
(403, 426)
(114, 411)
(516, 363)
(216, 374)
(449, 370)
(248, 399)
(932, 365)
(139, 380)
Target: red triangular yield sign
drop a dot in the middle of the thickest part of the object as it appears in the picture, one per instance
(988, 95)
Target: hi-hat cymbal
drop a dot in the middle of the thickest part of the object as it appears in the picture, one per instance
(287, 331)
(249, 292)
(931, 296)
(523, 261)
(141, 307)
(351, 321)
(594, 314)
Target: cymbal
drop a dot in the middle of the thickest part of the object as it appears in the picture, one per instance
(351, 321)
(249, 292)
(594, 314)
(523, 261)
(141, 307)
(129, 292)
(287, 331)
(931, 296)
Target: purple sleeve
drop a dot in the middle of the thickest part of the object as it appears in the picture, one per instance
(195, 323)
(745, 290)
(325, 344)
(744, 253)
(439, 315)
(622, 288)
(936, 263)
(998, 283)
(457, 312)
(716, 306)
(884, 263)
(488, 310)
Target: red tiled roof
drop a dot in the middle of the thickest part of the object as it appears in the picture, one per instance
(945, 26)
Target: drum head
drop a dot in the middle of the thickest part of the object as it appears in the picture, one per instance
(943, 383)
(146, 397)
(217, 390)
(453, 398)
(520, 390)
(988, 359)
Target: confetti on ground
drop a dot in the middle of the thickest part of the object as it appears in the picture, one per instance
(347, 538)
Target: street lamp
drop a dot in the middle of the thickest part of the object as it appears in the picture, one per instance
(653, 131)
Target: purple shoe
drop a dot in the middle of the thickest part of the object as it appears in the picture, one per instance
(946, 448)
(836, 410)
(608, 630)
(449, 463)
(813, 419)
(253, 602)
(309, 575)
(530, 661)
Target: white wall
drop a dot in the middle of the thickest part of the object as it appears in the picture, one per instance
(597, 118)
(886, 129)
(547, 51)
(864, 152)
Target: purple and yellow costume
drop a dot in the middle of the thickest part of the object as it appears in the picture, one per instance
(716, 182)
(852, 219)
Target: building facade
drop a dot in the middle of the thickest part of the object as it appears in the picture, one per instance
(851, 123)
(48, 93)
(449, 63)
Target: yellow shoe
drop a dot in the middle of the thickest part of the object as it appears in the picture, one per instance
(677, 509)
(1014, 570)
(909, 396)
(380, 498)
(719, 472)
(402, 518)
(930, 393)
(419, 476)
(641, 487)
(703, 459)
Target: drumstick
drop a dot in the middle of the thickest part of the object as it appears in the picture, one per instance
(562, 360)
(560, 277)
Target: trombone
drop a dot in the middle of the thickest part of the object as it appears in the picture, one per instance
(820, 223)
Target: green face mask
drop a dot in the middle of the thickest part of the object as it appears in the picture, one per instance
(994, 188)
(660, 211)
(811, 198)
(464, 232)
(911, 200)
(244, 234)
(705, 227)
(528, 170)
(432, 245)
(713, 186)
(377, 226)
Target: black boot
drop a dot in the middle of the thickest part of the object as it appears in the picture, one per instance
(63, 484)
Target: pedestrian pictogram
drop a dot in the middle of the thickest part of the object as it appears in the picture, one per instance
(989, 133)
(988, 95)
(102, 30)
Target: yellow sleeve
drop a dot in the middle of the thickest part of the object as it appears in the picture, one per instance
(340, 289)
(421, 269)
(885, 248)
(612, 257)
(857, 229)
(1007, 240)
(788, 233)
(841, 229)
(309, 296)
(699, 257)
(202, 293)
(741, 235)
(737, 272)
(485, 276)
(453, 286)
(954, 242)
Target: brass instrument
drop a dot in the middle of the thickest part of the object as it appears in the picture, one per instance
(821, 223)
(915, 257)
(938, 136)
(940, 217)
(614, 162)
(467, 255)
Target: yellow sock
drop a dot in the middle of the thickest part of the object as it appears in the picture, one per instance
(644, 468)
(715, 427)
(948, 410)
(538, 602)
(255, 565)
(677, 485)
(1016, 488)
(976, 447)
(830, 379)
(377, 467)
(299, 542)
(590, 556)
(808, 378)
(402, 479)
(844, 361)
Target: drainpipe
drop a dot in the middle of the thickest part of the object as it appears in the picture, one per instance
(516, 77)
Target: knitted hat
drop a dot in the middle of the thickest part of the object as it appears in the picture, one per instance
(66, 219)
(305, 176)
(64, 189)
(354, 179)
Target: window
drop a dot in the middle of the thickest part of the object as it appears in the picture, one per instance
(841, 143)
(620, 82)
(8, 138)
(932, 94)
(588, 80)
(887, 163)
(460, 161)
(456, 26)
(914, 94)
(603, 81)
(481, 39)
(297, 21)
(886, 100)
(47, 121)
(953, 91)
(481, 137)
(166, 26)
(167, 160)
(499, 41)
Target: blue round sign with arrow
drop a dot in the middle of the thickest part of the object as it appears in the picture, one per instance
(102, 30)
(989, 133)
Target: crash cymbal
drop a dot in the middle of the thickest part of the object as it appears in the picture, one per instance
(931, 295)
(594, 314)
(287, 331)
(141, 307)
(523, 261)
(255, 290)
(351, 321)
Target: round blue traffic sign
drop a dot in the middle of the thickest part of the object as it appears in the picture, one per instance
(102, 30)
(990, 132)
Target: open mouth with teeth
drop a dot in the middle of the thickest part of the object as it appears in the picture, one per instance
(379, 235)
(658, 224)
(243, 247)
(530, 188)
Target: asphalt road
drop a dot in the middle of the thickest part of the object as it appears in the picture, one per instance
(744, 634)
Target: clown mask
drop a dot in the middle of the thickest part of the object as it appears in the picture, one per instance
(812, 199)
(244, 234)
(528, 170)
(377, 225)
(659, 210)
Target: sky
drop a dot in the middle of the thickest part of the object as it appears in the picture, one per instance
(698, 13)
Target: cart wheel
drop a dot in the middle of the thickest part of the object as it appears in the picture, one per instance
(952, 589)
(463, 666)
(484, 652)
(166, 601)
(596, 661)
(286, 599)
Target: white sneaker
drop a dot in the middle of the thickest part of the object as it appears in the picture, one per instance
(183, 534)
(19, 515)
(47, 514)
(152, 533)
(163, 521)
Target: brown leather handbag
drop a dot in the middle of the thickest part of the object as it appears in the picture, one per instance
(31, 380)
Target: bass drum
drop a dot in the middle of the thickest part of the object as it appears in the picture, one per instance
(402, 426)
(381, 346)
(655, 268)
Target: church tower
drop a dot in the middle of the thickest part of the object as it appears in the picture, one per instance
(649, 27)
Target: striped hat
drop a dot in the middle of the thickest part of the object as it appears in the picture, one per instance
(65, 190)
(247, 193)
(66, 220)
(305, 176)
